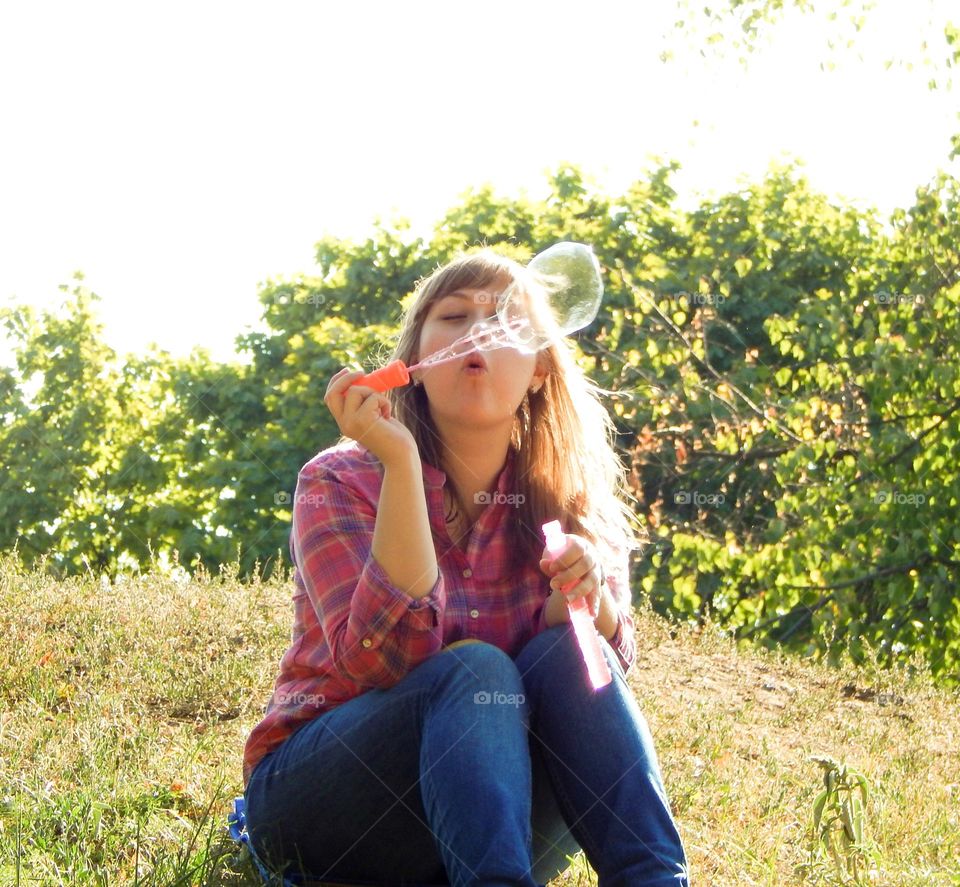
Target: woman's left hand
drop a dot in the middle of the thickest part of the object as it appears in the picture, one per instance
(579, 562)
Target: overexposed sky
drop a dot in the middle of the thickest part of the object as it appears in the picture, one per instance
(180, 154)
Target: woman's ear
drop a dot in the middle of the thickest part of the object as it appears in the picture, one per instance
(539, 377)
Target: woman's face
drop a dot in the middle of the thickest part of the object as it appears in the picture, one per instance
(482, 389)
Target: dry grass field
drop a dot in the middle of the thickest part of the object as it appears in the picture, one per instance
(125, 708)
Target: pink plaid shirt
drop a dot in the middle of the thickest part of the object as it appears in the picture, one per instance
(355, 630)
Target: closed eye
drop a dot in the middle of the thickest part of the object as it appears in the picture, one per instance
(453, 317)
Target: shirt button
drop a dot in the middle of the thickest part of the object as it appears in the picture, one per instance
(474, 614)
(367, 643)
(467, 573)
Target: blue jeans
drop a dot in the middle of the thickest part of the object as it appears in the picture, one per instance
(474, 769)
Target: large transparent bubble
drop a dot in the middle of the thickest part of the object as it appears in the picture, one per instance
(568, 277)
(560, 294)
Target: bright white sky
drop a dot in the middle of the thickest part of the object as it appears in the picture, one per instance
(181, 153)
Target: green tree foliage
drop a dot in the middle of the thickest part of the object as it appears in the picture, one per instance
(784, 378)
(87, 480)
(802, 488)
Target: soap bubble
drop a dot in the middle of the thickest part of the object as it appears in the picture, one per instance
(568, 274)
(567, 291)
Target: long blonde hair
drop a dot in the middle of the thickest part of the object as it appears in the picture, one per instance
(565, 466)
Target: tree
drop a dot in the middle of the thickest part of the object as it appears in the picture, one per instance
(783, 378)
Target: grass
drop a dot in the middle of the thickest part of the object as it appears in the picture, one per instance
(125, 708)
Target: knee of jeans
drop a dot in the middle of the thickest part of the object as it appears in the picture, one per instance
(484, 666)
(549, 650)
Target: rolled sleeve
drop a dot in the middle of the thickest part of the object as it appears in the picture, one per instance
(376, 632)
(386, 619)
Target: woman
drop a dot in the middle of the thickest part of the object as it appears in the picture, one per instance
(432, 722)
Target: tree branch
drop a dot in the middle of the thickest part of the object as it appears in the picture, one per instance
(670, 325)
(836, 586)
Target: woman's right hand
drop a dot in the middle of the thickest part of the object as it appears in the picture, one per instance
(364, 415)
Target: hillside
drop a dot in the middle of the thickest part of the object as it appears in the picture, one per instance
(125, 708)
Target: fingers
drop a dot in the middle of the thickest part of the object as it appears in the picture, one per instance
(340, 374)
(568, 558)
(575, 573)
(585, 590)
(353, 405)
(562, 575)
(339, 383)
(342, 383)
(362, 407)
(341, 380)
(586, 584)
